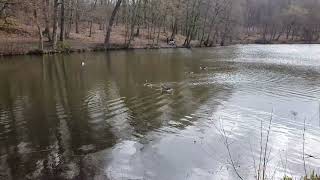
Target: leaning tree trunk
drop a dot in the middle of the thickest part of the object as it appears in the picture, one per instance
(109, 29)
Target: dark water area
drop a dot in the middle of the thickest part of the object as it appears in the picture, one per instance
(62, 120)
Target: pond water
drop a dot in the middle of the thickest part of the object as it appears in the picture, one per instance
(62, 120)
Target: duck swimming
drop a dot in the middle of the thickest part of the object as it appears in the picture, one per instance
(203, 68)
(83, 64)
(166, 89)
(147, 84)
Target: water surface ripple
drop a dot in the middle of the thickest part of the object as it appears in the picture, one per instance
(59, 120)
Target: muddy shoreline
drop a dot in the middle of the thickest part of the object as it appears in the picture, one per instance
(118, 48)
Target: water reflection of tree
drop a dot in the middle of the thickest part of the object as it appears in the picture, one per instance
(27, 130)
(58, 111)
(45, 131)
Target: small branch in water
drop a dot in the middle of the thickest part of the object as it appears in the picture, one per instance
(265, 159)
(227, 144)
(303, 148)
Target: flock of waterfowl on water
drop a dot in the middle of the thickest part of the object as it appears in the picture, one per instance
(164, 88)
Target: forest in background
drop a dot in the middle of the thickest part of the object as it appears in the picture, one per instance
(64, 24)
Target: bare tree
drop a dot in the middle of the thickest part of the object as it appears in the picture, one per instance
(62, 20)
(46, 13)
(91, 18)
(55, 23)
(39, 29)
(111, 21)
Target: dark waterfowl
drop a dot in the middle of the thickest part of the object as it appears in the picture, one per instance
(166, 89)
(203, 68)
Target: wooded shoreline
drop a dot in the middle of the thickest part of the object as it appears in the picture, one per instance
(93, 25)
(119, 48)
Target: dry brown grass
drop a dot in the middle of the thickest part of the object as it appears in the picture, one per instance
(118, 37)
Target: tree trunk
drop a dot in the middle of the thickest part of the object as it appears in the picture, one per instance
(90, 28)
(134, 17)
(91, 19)
(77, 17)
(101, 25)
(264, 34)
(62, 21)
(204, 24)
(109, 29)
(55, 24)
(35, 14)
(46, 10)
(138, 31)
(70, 18)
